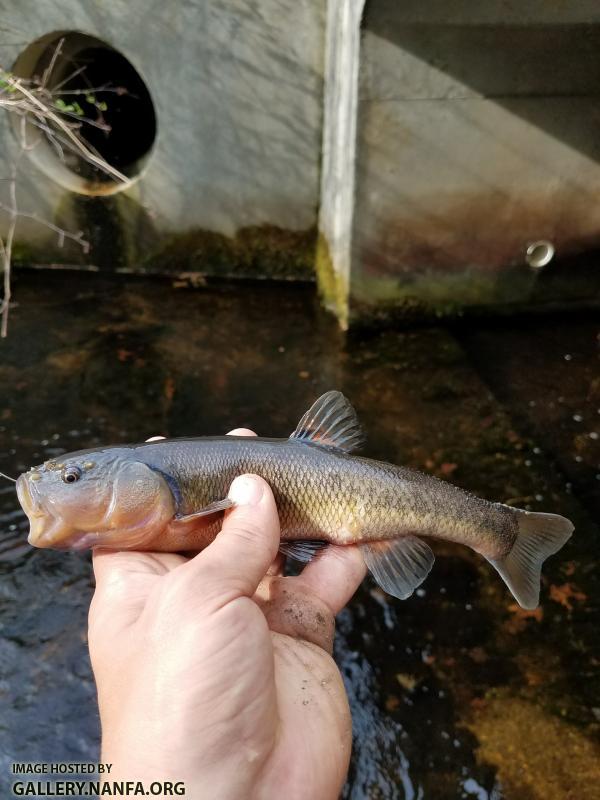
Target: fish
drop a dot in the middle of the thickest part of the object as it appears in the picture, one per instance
(170, 496)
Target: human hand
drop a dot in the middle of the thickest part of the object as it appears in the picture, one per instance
(216, 670)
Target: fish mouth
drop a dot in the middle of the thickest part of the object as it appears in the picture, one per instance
(28, 504)
(45, 530)
(48, 532)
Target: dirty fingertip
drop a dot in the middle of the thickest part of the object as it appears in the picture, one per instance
(247, 490)
(335, 575)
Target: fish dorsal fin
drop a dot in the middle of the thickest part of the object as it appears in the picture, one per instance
(398, 565)
(331, 421)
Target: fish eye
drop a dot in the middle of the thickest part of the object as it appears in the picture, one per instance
(71, 474)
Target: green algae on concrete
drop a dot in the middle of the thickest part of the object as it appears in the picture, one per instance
(123, 237)
(127, 232)
(256, 251)
(435, 294)
(333, 287)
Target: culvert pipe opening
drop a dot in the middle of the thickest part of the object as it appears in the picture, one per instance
(97, 90)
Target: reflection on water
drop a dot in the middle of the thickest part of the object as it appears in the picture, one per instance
(452, 691)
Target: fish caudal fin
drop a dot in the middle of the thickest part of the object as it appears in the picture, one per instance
(539, 536)
(398, 565)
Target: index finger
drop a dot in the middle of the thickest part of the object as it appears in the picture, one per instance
(241, 432)
(334, 575)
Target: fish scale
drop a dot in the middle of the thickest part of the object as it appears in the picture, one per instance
(323, 492)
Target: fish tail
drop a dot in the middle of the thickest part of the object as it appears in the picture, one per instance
(539, 536)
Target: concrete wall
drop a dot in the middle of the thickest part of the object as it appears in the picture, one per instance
(408, 152)
(478, 133)
(237, 89)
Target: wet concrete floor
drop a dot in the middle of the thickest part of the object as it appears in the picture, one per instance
(456, 692)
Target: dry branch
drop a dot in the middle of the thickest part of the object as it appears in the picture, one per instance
(36, 105)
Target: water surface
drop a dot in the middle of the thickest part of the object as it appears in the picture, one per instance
(455, 693)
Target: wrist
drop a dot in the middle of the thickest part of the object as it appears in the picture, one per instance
(140, 749)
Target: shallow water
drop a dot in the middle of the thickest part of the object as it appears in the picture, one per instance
(455, 693)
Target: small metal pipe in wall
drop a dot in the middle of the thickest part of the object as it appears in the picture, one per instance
(539, 253)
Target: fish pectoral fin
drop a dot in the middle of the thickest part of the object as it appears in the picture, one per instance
(398, 565)
(211, 508)
(302, 549)
(331, 421)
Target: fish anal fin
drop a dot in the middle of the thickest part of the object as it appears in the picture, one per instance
(212, 508)
(398, 565)
(332, 421)
(302, 549)
(539, 536)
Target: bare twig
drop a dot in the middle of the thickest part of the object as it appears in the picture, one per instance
(6, 247)
(107, 88)
(78, 145)
(62, 234)
(35, 104)
(69, 77)
(50, 68)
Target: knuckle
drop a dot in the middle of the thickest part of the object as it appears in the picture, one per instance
(251, 535)
(115, 586)
(173, 590)
(246, 532)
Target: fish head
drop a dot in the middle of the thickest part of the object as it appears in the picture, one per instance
(100, 499)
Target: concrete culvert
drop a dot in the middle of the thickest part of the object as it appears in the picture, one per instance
(98, 89)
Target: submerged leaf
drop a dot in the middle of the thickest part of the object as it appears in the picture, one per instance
(565, 593)
(407, 681)
(520, 617)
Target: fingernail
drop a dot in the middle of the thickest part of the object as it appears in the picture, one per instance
(246, 491)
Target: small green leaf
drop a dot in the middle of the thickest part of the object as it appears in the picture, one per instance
(101, 106)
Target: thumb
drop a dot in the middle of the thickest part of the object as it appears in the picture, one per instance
(240, 556)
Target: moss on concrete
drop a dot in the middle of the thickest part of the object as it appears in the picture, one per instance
(40, 253)
(256, 251)
(123, 237)
(333, 288)
(433, 295)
